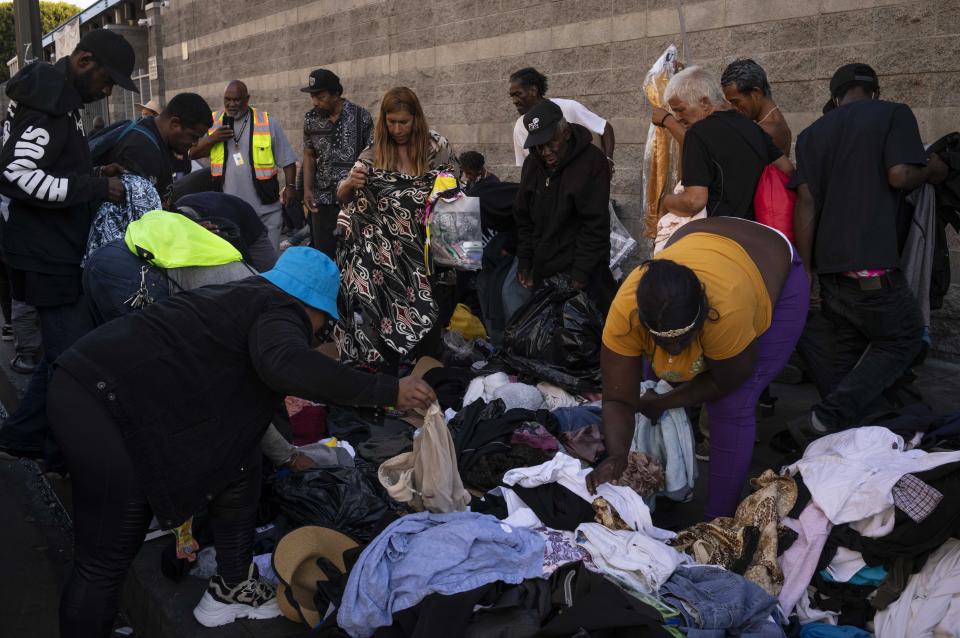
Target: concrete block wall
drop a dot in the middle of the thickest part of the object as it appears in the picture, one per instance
(458, 54)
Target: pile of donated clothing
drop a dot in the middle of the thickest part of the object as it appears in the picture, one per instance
(473, 519)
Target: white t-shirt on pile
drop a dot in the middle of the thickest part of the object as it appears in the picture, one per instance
(573, 112)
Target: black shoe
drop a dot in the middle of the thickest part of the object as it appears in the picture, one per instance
(783, 442)
(12, 452)
(805, 429)
(23, 364)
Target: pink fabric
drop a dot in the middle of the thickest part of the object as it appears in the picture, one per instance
(799, 562)
(866, 274)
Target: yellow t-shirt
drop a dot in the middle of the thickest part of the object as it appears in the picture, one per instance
(740, 305)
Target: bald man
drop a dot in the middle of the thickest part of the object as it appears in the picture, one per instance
(246, 154)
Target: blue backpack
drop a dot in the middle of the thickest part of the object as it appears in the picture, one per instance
(103, 141)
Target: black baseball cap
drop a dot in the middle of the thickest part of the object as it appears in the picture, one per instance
(847, 74)
(323, 80)
(541, 122)
(113, 53)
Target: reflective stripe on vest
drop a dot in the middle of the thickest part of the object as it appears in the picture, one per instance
(264, 166)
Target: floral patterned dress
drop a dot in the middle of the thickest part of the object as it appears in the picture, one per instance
(386, 302)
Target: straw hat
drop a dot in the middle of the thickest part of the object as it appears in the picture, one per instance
(286, 605)
(153, 105)
(295, 562)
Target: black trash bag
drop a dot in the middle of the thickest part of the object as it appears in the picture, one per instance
(341, 498)
(555, 337)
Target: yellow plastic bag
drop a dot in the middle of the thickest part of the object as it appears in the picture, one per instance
(466, 323)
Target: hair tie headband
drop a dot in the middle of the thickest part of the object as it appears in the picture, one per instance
(677, 332)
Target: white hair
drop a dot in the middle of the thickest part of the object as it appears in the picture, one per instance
(693, 84)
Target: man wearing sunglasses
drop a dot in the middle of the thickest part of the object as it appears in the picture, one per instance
(562, 214)
(47, 190)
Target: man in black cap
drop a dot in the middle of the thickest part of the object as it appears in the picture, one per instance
(47, 190)
(853, 164)
(562, 214)
(335, 131)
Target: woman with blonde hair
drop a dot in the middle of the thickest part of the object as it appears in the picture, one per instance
(402, 143)
(387, 303)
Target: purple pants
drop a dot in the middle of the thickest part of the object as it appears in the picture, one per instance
(733, 420)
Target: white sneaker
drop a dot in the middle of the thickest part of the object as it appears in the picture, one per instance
(222, 604)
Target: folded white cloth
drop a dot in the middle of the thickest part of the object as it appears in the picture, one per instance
(633, 558)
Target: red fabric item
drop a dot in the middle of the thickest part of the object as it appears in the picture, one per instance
(773, 201)
(309, 421)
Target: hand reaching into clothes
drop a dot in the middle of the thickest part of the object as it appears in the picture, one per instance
(111, 170)
(115, 191)
(415, 393)
(609, 471)
(648, 406)
(300, 462)
(525, 279)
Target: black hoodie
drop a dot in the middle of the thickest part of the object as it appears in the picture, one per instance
(563, 219)
(46, 181)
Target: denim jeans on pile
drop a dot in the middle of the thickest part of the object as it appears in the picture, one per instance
(877, 334)
(714, 600)
(112, 276)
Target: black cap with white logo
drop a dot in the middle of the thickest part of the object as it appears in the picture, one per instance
(323, 80)
(541, 122)
(111, 51)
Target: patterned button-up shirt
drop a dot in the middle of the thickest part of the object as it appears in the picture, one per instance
(336, 146)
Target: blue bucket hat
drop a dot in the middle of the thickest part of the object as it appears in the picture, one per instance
(309, 275)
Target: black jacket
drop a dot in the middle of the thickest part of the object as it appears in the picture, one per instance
(46, 179)
(563, 219)
(192, 383)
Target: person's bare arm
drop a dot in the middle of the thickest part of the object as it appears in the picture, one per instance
(908, 176)
(622, 377)
(205, 143)
(785, 165)
(664, 118)
(309, 160)
(690, 202)
(720, 379)
(289, 192)
(804, 220)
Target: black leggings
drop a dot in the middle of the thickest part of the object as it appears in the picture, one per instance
(111, 513)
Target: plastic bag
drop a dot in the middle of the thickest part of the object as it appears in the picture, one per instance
(456, 239)
(661, 150)
(340, 498)
(555, 337)
(670, 223)
(466, 323)
(621, 243)
(773, 201)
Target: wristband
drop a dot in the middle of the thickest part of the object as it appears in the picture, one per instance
(664, 119)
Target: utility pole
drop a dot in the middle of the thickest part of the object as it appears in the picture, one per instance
(26, 15)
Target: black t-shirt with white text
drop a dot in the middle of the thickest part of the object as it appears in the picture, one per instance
(726, 153)
(843, 158)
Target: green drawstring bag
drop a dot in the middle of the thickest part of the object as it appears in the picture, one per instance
(170, 240)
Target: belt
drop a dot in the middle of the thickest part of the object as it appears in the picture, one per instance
(864, 283)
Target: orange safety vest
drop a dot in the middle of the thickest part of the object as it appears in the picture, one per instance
(261, 151)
